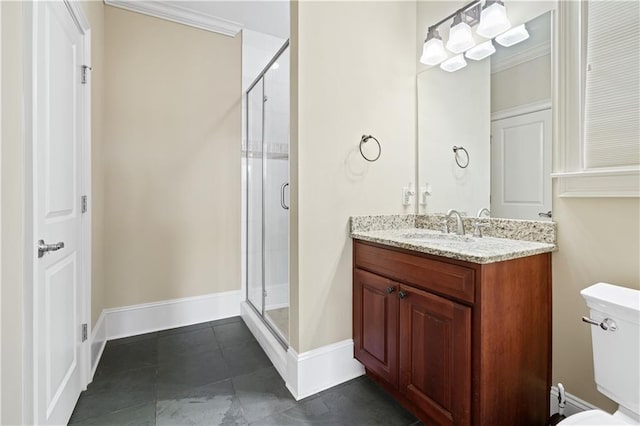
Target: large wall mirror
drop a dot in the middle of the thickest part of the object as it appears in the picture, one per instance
(499, 110)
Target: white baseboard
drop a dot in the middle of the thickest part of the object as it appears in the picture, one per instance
(133, 320)
(305, 374)
(148, 317)
(98, 342)
(310, 372)
(322, 368)
(573, 406)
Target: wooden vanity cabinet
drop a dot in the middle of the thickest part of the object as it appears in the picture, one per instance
(457, 343)
(375, 302)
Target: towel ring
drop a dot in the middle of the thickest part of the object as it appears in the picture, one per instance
(455, 155)
(365, 139)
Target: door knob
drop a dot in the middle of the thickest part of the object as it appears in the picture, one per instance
(402, 294)
(44, 248)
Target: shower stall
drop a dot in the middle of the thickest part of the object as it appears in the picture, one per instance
(266, 157)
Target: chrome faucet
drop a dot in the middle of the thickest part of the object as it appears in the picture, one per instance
(459, 223)
(483, 211)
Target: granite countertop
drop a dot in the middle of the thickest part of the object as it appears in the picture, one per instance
(466, 248)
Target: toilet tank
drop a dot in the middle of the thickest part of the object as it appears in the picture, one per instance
(616, 354)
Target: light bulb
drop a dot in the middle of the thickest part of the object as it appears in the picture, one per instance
(493, 19)
(433, 49)
(513, 36)
(460, 36)
(454, 64)
(481, 51)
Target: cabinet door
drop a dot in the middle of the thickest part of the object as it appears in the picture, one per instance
(435, 355)
(375, 324)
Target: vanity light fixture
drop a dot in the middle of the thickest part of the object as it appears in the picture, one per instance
(454, 64)
(433, 49)
(493, 19)
(481, 51)
(513, 36)
(460, 36)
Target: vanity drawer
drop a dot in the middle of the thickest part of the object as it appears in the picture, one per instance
(444, 278)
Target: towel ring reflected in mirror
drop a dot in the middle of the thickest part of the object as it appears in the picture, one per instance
(365, 139)
(455, 155)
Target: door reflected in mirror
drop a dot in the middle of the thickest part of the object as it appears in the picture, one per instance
(499, 110)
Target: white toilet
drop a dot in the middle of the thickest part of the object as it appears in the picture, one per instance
(616, 353)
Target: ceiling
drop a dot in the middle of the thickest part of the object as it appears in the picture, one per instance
(269, 17)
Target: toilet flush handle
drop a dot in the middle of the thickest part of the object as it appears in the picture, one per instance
(607, 324)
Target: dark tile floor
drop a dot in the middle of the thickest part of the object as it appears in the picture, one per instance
(216, 374)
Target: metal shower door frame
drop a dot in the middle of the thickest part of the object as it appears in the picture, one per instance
(261, 312)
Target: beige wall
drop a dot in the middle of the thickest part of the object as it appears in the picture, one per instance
(599, 241)
(11, 205)
(355, 75)
(171, 160)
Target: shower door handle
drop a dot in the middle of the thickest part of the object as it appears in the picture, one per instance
(282, 188)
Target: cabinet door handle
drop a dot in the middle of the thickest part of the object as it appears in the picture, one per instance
(402, 295)
(390, 289)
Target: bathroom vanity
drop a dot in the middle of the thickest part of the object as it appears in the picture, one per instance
(457, 329)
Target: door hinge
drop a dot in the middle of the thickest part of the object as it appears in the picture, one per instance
(84, 332)
(85, 71)
(83, 204)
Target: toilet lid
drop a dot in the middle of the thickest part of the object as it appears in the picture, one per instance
(592, 417)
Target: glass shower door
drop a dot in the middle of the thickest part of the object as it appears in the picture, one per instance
(276, 195)
(267, 202)
(254, 194)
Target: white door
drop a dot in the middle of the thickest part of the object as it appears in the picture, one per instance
(521, 166)
(57, 142)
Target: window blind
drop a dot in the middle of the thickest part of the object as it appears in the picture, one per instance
(612, 85)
